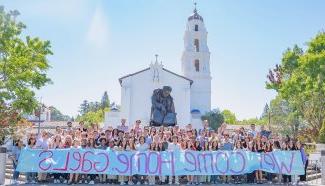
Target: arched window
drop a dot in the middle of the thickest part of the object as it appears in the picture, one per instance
(196, 44)
(197, 65)
(196, 28)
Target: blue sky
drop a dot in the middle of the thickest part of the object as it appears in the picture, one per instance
(95, 42)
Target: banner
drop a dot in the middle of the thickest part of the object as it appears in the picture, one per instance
(95, 161)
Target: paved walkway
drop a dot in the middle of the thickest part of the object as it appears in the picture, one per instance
(311, 183)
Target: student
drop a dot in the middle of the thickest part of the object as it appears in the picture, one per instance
(214, 147)
(142, 146)
(190, 147)
(102, 146)
(151, 178)
(123, 127)
(227, 145)
(205, 179)
(174, 146)
(91, 146)
(130, 147)
(15, 157)
(73, 178)
(250, 176)
(161, 148)
(56, 143)
(267, 149)
(68, 143)
(122, 147)
(31, 144)
(304, 158)
(238, 147)
(259, 149)
(286, 178)
(42, 143)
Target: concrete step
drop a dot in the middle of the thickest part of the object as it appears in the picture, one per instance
(8, 166)
(21, 177)
(314, 176)
(11, 171)
(312, 172)
(311, 175)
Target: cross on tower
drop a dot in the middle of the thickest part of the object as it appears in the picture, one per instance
(156, 55)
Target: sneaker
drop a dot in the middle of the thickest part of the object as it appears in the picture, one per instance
(86, 181)
(130, 183)
(14, 182)
(33, 182)
(91, 182)
(138, 183)
(146, 183)
(122, 183)
(170, 183)
(177, 183)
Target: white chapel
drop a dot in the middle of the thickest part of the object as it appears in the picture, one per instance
(191, 91)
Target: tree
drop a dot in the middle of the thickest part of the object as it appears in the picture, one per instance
(214, 117)
(284, 118)
(105, 103)
(250, 121)
(84, 107)
(94, 106)
(229, 117)
(94, 112)
(322, 134)
(23, 68)
(300, 80)
(92, 117)
(265, 113)
(23, 64)
(56, 115)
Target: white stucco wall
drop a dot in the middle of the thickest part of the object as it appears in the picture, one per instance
(137, 91)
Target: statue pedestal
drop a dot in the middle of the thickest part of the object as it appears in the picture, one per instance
(112, 119)
(196, 120)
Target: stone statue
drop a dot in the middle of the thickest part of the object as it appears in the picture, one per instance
(162, 109)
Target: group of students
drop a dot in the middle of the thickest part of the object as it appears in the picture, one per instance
(138, 138)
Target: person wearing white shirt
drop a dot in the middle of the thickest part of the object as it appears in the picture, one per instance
(174, 146)
(253, 131)
(142, 146)
(42, 143)
(123, 127)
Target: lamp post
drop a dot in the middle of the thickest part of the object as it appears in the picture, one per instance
(39, 116)
(269, 118)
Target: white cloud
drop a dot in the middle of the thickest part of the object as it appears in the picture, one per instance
(98, 32)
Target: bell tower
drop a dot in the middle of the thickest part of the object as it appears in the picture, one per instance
(196, 62)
